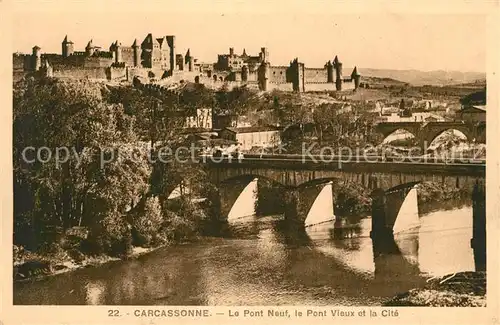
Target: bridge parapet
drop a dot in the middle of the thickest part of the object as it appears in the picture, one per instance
(292, 173)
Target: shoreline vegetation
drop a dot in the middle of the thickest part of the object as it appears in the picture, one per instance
(34, 267)
(77, 214)
(462, 289)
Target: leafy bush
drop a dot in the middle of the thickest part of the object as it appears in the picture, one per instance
(183, 221)
(351, 199)
(111, 235)
(432, 195)
(74, 237)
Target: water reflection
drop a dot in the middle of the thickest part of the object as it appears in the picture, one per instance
(267, 261)
(94, 292)
(448, 250)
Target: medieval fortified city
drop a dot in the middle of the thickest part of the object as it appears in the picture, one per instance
(144, 175)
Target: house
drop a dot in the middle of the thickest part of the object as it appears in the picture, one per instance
(254, 136)
(197, 135)
(473, 113)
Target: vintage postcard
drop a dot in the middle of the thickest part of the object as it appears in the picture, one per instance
(250, 161)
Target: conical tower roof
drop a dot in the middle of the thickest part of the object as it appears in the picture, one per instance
(355, 72)
(65, 41)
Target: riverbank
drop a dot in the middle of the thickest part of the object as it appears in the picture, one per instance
(35, 266)
(463, 289)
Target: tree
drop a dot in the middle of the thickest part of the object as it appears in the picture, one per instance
(238, 101)
(74, 118)
(323, 116)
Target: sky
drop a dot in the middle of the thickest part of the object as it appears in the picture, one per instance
(367, 39)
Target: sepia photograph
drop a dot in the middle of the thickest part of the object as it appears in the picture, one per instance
(213, 156)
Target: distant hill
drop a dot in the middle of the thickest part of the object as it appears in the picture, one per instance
(383, 81)
(419, 78)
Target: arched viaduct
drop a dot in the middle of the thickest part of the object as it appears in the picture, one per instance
(426, 132)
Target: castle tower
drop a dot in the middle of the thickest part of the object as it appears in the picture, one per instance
(89, 49)
(36, 58)
(118, 52)
(188, 59)
(244, 73)
(231, 51)
(264, 54)
(356, 77)
(67, 47)
(263, 74)
(329, 72)
(244, 54)
(147, 47)
(338, 69)
(112, 49)
(171, 44)
(296, 73)
(137, 54)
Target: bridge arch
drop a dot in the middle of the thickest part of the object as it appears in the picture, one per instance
(406, 133)
(269, 193)
(386, 129)
(463, 133)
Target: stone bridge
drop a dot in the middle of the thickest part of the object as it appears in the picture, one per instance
(302, 180)
(296, 173)
(426, 132)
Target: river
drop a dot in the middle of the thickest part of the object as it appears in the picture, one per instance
(261, 264)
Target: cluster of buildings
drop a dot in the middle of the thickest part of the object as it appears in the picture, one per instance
(152, 55)
(294, 77)
(157, 58)
(405, 111)
(227, 131)
(411, 111)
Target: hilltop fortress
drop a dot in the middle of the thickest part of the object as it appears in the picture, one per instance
(156, 60)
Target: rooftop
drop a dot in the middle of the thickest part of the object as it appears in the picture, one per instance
(252, 129)
(481, 107)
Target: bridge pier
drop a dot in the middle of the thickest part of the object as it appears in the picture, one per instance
(478, 241)
(292, 207)
(299, 202)
(229, 193)
(381, 234)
